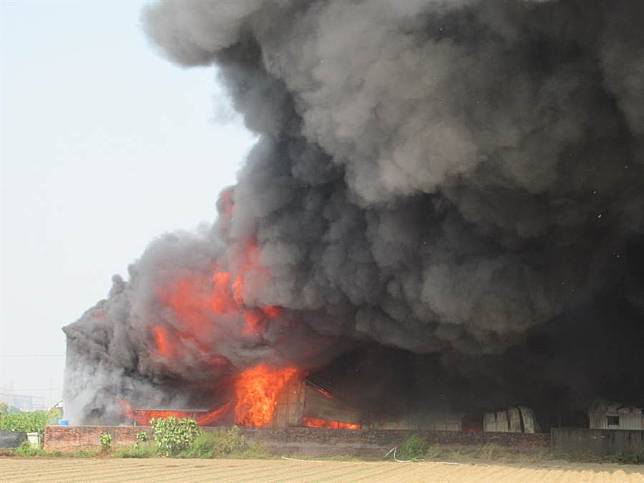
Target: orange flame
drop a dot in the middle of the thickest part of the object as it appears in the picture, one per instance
(189, 299)
(161, 339)
(142, 417)
(327, 423)
(256, 392)
(194, 300)
(213, 416)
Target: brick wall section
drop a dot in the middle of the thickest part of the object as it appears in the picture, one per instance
(598, 442)
(74, 438)
(387, 437)
(374, 443)
(307, 441)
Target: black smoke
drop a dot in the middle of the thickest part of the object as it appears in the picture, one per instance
(448, 196)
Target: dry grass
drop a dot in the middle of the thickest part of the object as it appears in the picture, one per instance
(165, 469)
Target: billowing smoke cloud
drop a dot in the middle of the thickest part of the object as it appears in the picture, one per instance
(454, 184)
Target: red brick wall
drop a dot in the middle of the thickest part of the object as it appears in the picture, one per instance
(302, 440)
(392, 437)
(377, 442)
(74, 438)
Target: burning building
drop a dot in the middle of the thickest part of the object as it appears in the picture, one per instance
(443, 213)
(297, 403)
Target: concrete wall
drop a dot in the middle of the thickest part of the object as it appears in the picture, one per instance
(597, 442)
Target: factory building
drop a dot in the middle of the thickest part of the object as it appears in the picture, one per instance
(603, 415)
(304, 403)
(512, 420)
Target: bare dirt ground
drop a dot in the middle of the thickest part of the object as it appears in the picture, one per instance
(156, 469)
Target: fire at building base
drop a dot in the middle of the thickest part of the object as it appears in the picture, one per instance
(302, 403)
(440, 224)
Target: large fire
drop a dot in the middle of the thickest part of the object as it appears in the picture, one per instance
(257, 390)
(196, 300)
(256, 393)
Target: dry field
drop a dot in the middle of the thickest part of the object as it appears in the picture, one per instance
(112, 470)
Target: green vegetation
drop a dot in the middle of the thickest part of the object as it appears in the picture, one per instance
(81, 453)
(412, 448)
(26, 421)
(229, 443)
(142, 448)
(29, 422)
(138, 450)
(141, 438)
(486, 452)
(221, 443)
(106, 442)
(180, 438)
(174, 435)
(416, 448)
(25, 449)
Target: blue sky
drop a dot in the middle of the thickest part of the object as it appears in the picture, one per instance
(105, 145)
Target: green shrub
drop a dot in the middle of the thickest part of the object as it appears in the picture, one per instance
(201, 447)
(28, 422)
(174, 435)
(222, 443)
(229, 441)
(106, 442)
(141, 437)
(436, 451)
(412, 448)
(81, 453)
(25, 449)
(138, 450)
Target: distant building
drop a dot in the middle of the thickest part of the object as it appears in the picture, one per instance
(604, 415)
(512, 420)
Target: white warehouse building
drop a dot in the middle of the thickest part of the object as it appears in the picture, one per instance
(603, 415)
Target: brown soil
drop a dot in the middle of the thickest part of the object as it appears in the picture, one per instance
(157, 469)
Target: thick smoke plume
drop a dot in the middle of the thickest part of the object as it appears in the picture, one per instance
(446, 203)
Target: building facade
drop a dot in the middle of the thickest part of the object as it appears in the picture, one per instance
(512, 420)
(604, 415)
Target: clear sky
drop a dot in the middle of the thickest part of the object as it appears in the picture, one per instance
(105, 145)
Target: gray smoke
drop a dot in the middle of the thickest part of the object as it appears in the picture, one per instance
(438, 176)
